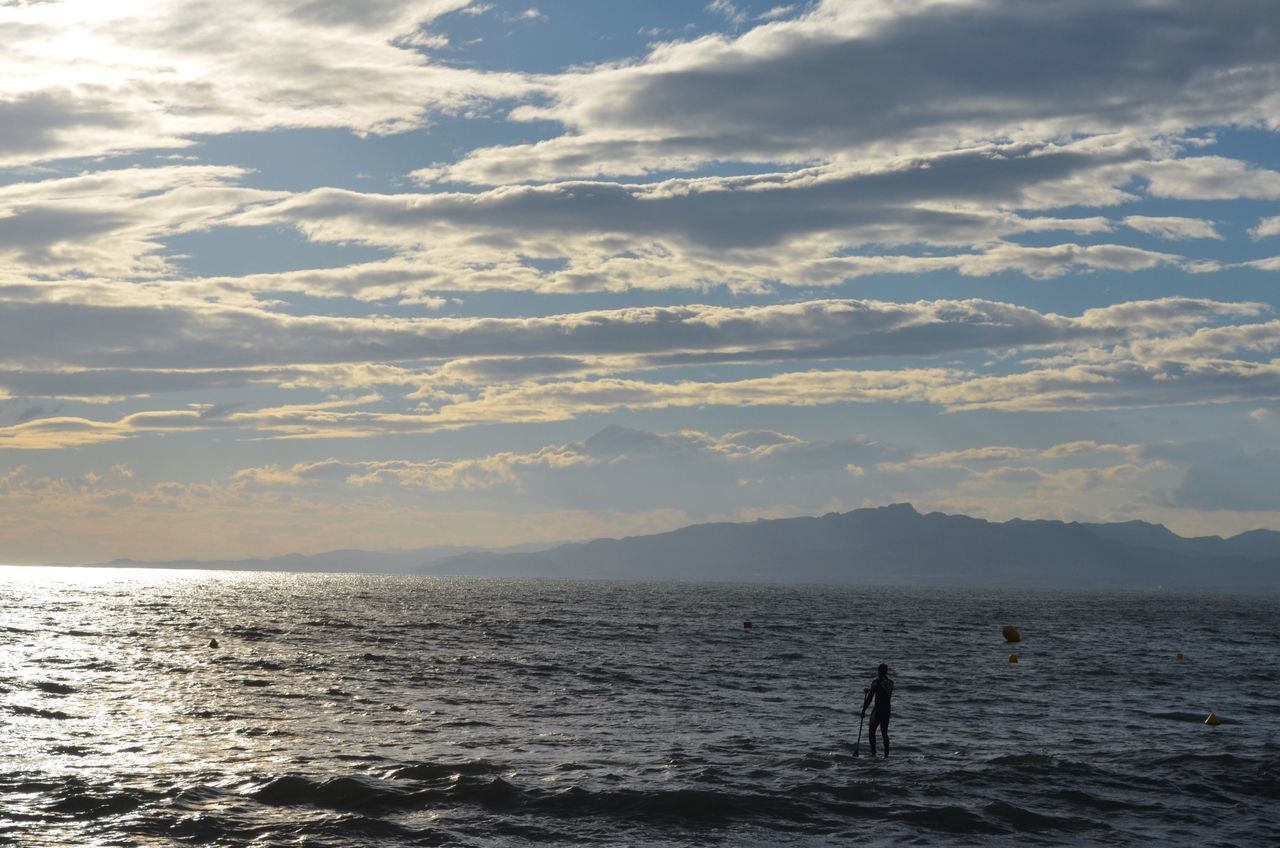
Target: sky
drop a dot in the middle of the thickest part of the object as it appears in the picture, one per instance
(313, 274)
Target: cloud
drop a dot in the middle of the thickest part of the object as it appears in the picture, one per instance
(436, 476)
(209, 342)
(958, 197)
(59, 432)
(107, 385)
(752, 472)
(777, 12)
(815, 226)
(830, 84)
(97, 516)
(1210, 342)
(616, 468)
(1172, 228)
(968, 194)
(32, 123)
(1271, 263)
(614, 482)
(521, 404)
(427, 375)
(990, 456)
(1123, 384)
(81, 78)
(1210, 178)
(114, 222)
(1221, 476)
(1160, 355)
(38, 411)
(751, 168)
(1262, 415)
(1266, 228)
(729, 10)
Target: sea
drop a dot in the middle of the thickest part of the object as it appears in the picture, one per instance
(156, 708)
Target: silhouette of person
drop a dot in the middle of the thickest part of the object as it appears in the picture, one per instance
(881, 690)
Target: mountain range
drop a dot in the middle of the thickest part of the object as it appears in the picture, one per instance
(893, 544)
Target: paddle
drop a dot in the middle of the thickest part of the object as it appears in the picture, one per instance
(858, 744)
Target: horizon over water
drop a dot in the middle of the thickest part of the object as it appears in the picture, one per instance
(358, 709)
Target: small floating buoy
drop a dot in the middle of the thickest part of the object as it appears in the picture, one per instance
(1011, 634)
(213, 643)
(746, 625)
(1179, 657)
(1213, 720)
(1013, 658)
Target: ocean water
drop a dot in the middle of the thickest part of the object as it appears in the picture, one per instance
(345, 710)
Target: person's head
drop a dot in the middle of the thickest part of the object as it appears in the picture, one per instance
(883, 670)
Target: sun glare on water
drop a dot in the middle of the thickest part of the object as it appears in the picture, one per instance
(106, 668)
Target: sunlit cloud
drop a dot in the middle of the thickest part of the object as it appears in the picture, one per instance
(83, 78)
(115, 222)
(1266, 228)
(720, 98)
(251, 346)
(1171, 227)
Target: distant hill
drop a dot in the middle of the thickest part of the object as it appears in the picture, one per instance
(886, 545)
(1255, 544)
(898, 545)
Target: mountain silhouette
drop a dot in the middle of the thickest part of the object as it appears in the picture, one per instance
(892, 545)
(898, 545)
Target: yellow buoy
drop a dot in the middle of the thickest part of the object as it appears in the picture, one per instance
(1011, 634)
(1213, 720)
(1013, 658)
(1179, 657)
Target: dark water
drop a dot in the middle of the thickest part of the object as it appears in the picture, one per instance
(352, 710)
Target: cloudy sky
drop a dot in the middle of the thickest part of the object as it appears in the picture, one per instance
(314, 274)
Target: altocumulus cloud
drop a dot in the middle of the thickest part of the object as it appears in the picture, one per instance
(970, 70)
(785, 228)
(198, 345)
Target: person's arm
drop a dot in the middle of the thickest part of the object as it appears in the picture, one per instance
(870, 693)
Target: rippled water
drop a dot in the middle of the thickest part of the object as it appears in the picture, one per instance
(355, 710)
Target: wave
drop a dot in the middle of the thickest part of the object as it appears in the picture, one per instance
(36, 712)
(374, 806)
(338, 792)
(1025, 820)
(486, 787)
(254, 634)
(1182, 715)
(594, 727)
(52, 687)
(70, 798)
(449, 771)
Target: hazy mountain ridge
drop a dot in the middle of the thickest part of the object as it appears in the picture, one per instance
(897, 544)
(1253, 544)
(888, 545)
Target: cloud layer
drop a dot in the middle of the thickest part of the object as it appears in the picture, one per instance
(306, 269)
(882, 78)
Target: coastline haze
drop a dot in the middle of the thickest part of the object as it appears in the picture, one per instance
(892, 545)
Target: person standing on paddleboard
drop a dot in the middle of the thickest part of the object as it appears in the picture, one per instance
(880, 690)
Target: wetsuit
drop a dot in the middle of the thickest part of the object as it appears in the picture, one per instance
(881, 691)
